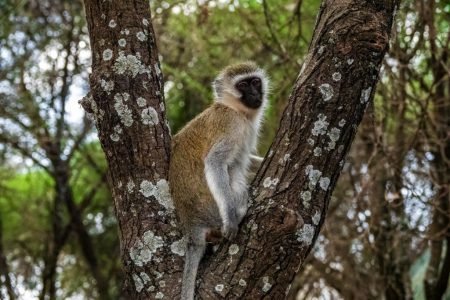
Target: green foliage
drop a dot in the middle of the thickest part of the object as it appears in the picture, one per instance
(24, 204)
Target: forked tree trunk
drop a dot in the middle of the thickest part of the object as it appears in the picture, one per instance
(291, 190)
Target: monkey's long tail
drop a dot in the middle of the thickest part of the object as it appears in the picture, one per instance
(194, 253)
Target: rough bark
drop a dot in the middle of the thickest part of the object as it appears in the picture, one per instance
(128, 107)
(291, 190)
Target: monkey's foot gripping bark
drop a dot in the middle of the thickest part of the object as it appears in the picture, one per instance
(229, 230)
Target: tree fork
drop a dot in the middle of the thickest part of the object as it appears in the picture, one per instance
(291, 190)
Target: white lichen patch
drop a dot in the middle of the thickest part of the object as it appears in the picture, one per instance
(149, 116)
(112, 24)
(316, 218)
(158, 274)
(141, 102)
(178, 247)
(107, 85)
(162, 106)
(320, 126)
(160, 191)
(341, 123)
(308, 169)
(144, 248)
(327, 91)
(115, 136)
(159, 295)
(285, 159)
(306, 234)
(336, 76)
(242, 282)
(130, 186)
(157, 69)
(310, 141)
(145, 22)
(219, 288)
(145, 278)
(107, 54)
(350, 61)
(129, 65)
(317, 151)
(234, 249)
(270, 183)
(314, 176)
(122, 42)
(267, 285)
(124, 112)
(334, 135)
(321, 49)
(324, 183)
(365, 95)
(141, 36)
(138, 284)
(306, 197)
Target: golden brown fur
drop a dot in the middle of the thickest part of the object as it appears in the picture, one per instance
(209, 164)
(189, 189)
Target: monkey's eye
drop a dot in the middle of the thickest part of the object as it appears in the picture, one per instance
(242, 85)
(256, 82)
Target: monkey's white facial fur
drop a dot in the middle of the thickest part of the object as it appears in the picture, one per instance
(226, 87)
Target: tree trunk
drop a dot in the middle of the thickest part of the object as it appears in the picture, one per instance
(128, 107)
(4, 268)
(291, 190)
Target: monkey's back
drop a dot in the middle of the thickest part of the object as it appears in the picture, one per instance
(193, 201)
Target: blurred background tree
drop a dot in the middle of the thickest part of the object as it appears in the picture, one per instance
(387, 232)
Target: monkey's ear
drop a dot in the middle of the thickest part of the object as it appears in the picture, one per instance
(217, 88)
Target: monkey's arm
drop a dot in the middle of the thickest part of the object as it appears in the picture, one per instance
(218, 179)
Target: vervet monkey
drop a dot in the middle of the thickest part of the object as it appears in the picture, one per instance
(209, 163)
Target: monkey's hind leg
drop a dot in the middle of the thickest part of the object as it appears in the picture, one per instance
(195, 248)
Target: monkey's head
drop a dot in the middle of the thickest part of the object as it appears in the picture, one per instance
(242, 86)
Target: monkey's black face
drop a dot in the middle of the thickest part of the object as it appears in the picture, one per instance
(251, 90)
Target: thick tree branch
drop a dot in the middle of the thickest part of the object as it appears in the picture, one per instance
(293, 187)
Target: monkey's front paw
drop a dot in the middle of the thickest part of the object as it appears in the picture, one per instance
(229, 231)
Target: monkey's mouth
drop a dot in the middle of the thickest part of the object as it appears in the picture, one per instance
(253, 102)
